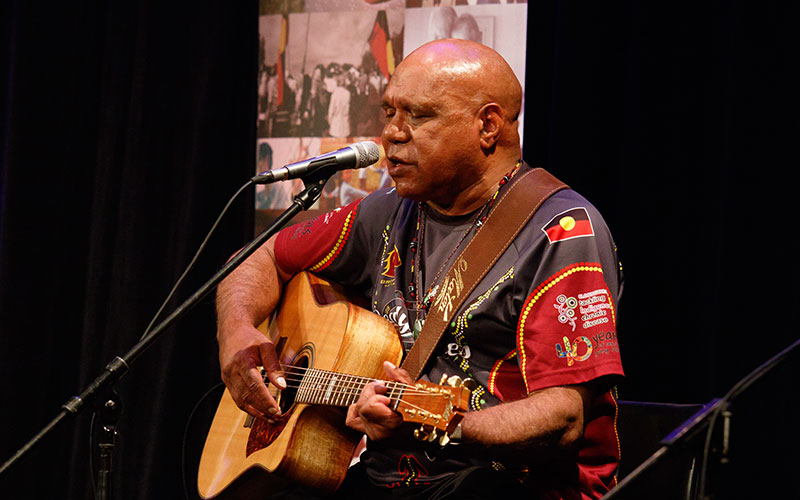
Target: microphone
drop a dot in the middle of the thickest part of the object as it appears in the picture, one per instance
(357, 155)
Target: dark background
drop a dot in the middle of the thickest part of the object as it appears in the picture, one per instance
(126, 126)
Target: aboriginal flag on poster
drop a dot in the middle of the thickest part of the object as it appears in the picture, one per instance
(570, 224)
(381, 45)
(281, 66)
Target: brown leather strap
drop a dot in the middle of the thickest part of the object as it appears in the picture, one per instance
(509, 216)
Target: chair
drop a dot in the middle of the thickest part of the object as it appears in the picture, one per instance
(641, 426)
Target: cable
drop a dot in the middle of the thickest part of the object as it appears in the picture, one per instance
(153, 321)
(194, 259)
(722, 407)
(91, 454)
(186, 435)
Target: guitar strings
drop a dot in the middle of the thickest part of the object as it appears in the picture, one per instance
(296, 383)
(295, 375)
(356, 380)
(316, 391)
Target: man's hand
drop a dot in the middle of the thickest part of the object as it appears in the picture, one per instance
(371, 413)
(243, 349)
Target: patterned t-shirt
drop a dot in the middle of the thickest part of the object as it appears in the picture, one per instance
(545, 315)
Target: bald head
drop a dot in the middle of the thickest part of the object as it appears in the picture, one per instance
(471, 69)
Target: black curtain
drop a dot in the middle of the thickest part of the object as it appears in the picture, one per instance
(129, 125)
(126, 126)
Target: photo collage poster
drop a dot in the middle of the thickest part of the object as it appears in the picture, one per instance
(323, 66)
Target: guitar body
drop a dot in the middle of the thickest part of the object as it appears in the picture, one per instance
(315, 327)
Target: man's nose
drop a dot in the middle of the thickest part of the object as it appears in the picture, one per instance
(396, 130)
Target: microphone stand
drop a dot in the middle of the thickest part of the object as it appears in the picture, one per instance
(695, 426)
(108, 404)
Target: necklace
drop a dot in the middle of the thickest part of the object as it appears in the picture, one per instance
(422, 304)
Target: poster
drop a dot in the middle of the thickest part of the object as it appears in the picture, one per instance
(323, 67)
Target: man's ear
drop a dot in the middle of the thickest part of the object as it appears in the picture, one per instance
(492, 121)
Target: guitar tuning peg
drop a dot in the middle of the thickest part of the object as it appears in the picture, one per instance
(454, 381)
(422, 433)
(470, 384)
(433, 435)
(444, 439)
(443, 379)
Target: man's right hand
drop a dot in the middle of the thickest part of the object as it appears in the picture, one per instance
(242, 350)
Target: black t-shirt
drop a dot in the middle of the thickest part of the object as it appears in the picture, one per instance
(543, 316)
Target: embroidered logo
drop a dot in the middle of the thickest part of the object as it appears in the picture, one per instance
(396, 313)
(391, 262)
(570, 350)
(573, 223)
(450, 289)
(412, 472)
(566, 309)
(595, 308)
(453, 350)
(330, 215)
(344, 234)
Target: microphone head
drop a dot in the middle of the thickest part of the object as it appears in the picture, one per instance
(367, 153)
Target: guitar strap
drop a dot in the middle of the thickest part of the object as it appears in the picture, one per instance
(512, 212)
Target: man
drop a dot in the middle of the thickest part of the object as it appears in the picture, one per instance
(339, 108)
(537, 335)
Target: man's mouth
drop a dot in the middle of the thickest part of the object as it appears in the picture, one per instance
(397, 161)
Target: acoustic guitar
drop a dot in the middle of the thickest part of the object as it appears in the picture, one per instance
(330, 348)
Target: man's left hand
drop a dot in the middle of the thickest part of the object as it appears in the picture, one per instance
(371, 413)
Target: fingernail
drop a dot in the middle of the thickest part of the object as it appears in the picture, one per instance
(389, 364)
(281, 382)
(272, 411)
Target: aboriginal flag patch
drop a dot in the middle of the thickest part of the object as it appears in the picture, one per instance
(573, 223)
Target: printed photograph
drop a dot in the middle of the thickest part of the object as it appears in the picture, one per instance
(322, 73)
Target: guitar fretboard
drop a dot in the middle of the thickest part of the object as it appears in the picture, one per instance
(323, 387)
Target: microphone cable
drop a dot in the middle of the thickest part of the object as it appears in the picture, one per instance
(196, 255)
(722, 409)
(147, 331)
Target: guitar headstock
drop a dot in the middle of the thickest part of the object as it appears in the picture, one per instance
(438, 408)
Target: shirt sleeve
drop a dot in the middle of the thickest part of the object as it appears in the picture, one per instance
(315, 244)
(341, 245)
(567, 327)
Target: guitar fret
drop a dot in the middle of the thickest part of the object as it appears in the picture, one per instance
(334, 390)
(348, 400)
(390, 394)
(354, 390)
(301, 389)
(341, 392)
(317, 378)
(329, 390)
(396, 386)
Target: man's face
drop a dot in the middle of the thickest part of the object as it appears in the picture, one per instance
(430, 135)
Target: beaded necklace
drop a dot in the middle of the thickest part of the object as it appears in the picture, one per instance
(416, 247)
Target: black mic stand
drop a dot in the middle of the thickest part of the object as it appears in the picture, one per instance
(700, 424)
(109, 403)
(107, 408)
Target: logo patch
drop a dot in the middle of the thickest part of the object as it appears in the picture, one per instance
(595, 308)
(566, 309)
(396, 313)
(391, 262)
(574, 223)
(570, 350)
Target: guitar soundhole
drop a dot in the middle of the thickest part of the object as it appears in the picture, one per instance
(294, 374)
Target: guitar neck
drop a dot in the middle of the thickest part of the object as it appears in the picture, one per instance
(322, 387)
